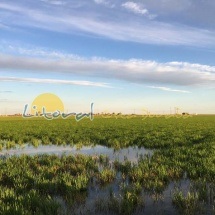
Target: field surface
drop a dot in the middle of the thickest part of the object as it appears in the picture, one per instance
(177, 177)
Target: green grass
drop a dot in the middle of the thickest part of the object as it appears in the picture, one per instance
(112, 132)
(183, 148)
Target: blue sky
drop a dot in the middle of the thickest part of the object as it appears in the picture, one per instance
(125, 56)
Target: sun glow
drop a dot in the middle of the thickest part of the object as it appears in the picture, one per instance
(49, 101)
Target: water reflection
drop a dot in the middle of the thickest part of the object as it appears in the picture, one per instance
(131, 153)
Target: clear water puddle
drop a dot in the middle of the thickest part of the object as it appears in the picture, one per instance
(131, 153)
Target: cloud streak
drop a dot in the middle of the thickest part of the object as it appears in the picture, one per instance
(133, 70)
(54, 2)
(38, 52)
(53, 81)
(98, 23)
(169, 89)
(6, 91)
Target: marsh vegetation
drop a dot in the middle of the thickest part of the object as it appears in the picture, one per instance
(177, 178)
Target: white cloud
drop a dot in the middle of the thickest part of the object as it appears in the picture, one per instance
(136, 29)
(169, 89)
(138, 9)
(134, 7)
(53, 81)
(134, 70)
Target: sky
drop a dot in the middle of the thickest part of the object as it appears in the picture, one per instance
(123, 56)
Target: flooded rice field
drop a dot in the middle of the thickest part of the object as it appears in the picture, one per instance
(119, 194)
(125, 154)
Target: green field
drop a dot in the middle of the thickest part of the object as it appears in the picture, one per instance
(183, 151)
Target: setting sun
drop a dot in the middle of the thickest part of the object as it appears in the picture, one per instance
(49, 101)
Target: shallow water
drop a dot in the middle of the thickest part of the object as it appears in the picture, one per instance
(152, 204)
(131, 153)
